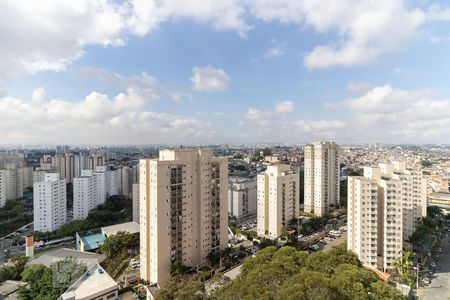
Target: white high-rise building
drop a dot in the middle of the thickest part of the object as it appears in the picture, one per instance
(2, 188)
(278, 199)
(85, 194)
(106, 183)
(183, 211)
(136, 205)
(49, 203)
(321, 177)
(385, 207)
(92, 189)
(242, 195)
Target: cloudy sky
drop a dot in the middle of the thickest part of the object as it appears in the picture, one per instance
(229, 71)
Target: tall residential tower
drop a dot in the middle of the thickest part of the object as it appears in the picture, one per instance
(278, 199)
(321, 177)
(183, 211)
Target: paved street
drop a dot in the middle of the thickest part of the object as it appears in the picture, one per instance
(440, 281)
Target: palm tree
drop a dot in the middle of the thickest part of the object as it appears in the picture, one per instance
(404, 267)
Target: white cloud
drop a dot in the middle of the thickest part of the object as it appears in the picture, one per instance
(223, 15)
(285, 107)
(320, 128)
(275, 51)
(142, 85)
(49, 35)
(394, 115)
(96, 119)
(256, 114)
(358, 86)
(209, 79)
(365, 29)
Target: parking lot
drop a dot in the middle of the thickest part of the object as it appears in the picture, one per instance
(326, 240)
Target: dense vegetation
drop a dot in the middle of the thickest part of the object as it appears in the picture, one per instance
(13, 270)
(12, 217)
(116, 209)
(290, 274)
(49, 283)
(115, 249)
(423, 237)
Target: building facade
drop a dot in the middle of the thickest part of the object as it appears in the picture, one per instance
(385, 207)
(242, 197)
(183, 211)
(85, 194)
(321, 177)
(49, 203)
(136, 206)
(278, 199)
(13, 183)
(2, 188)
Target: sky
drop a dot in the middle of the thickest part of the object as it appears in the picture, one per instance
(230, 71)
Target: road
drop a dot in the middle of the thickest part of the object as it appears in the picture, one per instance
(440, 281)
(6, 241)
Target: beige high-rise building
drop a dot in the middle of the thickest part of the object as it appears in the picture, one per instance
(278, 199)
(321, 177)
(183, 211)
(13, 183)
(136, 205)
(385, 207)
(2, 188)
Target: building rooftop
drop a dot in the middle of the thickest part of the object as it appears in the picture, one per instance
(86, 257)
(94, 283)
(92, 240)
(130, 227)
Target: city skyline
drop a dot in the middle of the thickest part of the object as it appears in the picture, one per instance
(144, 72)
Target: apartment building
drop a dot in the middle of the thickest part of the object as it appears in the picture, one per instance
(385, 207)
(242, 197)
(2, 188)
(85, 194)
(70, 165)
(106, 183)
(362, 219)
(13, 183)
(136, 206)
(127, 176)
(183, 211)
(92, 189)
(49, 203)
(278, 199)
(321, 177)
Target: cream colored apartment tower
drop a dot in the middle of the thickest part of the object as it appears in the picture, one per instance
(278, 199)
(400, 206)
(362, 219)
(183, 210)
(414, 196)
(321, 177)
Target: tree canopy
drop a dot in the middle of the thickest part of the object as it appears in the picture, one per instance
(290, 274)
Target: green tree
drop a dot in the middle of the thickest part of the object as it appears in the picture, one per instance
(14, 269)
(40, 284)
(116, 244)
(404, 268)
(178, 268)
(426, 163)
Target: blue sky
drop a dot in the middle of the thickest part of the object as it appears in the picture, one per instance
(238, 71)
